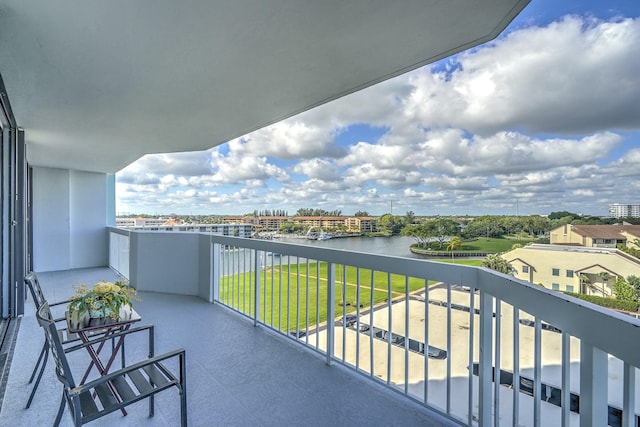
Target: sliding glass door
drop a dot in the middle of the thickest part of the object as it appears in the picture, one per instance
(14, 207)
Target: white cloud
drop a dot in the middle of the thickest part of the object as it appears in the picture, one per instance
(290, 139)
(235, 169)
(317, 168)
(575, 76)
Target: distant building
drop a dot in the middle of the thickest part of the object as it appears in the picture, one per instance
(362, 224)
(617, 210)
(235, 230)
(240, 219)
(320, 221)
(355, 224)
(585, 270)
(596, 236)
(127, 222)
(271, 223)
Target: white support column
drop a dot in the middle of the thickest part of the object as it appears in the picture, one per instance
(593, 386)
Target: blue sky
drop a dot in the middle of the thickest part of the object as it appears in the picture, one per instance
(544, 118)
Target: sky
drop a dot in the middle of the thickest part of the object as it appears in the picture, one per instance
(544, 118)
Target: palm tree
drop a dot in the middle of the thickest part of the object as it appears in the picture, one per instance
(497, 263)
(604, 276)
(584, 282)
(454, 244)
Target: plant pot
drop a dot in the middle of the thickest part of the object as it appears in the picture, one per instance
(99, 312)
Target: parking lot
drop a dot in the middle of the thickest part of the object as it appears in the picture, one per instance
(406, 370)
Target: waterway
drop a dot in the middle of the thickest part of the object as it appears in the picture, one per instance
(395, 245)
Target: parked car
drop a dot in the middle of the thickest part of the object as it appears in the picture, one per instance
(348, 320)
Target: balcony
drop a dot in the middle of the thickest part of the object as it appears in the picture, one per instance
(237, 374)
(330, 337)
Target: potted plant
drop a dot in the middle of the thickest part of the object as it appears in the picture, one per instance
(104, 299)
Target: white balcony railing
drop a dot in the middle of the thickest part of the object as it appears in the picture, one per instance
(480, 347)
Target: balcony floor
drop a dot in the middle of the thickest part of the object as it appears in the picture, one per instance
(237, 374)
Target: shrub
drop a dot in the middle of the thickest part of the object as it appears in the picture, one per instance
(607, 302)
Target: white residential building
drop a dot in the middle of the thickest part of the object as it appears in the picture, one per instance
(618, 210)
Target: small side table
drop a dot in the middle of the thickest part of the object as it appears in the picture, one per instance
(88, 328)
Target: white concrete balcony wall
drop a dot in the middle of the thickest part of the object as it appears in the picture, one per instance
(162, 261)
(69, 219)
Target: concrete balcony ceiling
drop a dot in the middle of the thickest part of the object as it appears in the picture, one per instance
(96, 85)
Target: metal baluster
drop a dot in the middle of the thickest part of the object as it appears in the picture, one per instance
(288, 293)
(629, 396)
(317, 303)
(485, 368)
(594, 374)
(297, 297)
(472, 316)
(306, 335)
(425, 348)
(357, 318)
(537, 371)
(516, 367)
(406, 335)
(371, 353)
(497, 365)
(331, 310)
(344, 312)
(389, 327)
(448, 380)
(256, 284)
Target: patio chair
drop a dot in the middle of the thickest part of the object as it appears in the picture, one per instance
(32, 282)
(118, 389)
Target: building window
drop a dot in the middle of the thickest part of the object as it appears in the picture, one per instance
(569, 273)
(555, 286)
(525, 268)
(569, 288)
(555, 271)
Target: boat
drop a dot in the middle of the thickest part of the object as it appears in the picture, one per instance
(311, 234)
(324, 236)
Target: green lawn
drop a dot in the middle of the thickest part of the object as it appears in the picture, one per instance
(463, 261)
(484, 244)
(294, 287)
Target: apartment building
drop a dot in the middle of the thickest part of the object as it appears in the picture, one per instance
(144, 222)
(618, 210)
(235, 230)
(321, 221)
(580, 269)
(362, 224)
(271, 223)
(597, 236)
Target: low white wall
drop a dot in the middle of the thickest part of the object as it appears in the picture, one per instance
(166, 262)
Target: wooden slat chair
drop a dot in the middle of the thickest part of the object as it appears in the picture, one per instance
(117, 389)
(32, 282)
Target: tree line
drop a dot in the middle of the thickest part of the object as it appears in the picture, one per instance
(535, 226)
